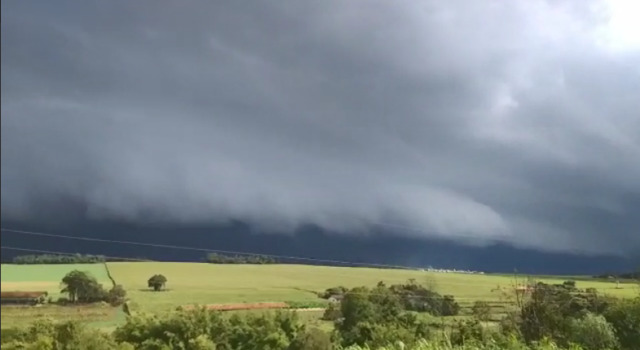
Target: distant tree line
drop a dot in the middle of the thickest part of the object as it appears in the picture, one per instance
(216, 258)
(629, 275)
(58, 259)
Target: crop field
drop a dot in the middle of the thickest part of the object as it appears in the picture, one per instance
(47, 278)
(203, 284)
(213, 284)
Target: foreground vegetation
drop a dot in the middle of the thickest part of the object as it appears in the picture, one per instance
(356, 308)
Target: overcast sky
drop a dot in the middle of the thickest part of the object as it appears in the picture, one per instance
(514, 121)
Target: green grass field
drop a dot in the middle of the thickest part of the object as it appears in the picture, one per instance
(202, 283)
(47, 278)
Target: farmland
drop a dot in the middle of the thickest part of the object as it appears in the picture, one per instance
(47, 278)
(205, 284)
(197, 283)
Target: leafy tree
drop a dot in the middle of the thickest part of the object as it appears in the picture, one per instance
(200, 328)
(416, 297)
(82, 287)
(68, 335)
(312, 339)
(624, 316)
(593, 332)
(332, 312)
(372, 317)
(449, 306)
(157, 282)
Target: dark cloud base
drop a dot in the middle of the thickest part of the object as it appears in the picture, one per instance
(507, 123)
(310, 242)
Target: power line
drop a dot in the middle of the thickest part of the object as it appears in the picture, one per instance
(207, 250)
(467, 298)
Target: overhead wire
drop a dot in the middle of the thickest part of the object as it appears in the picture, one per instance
(209, 250)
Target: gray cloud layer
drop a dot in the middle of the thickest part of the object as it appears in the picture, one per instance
(475, 120)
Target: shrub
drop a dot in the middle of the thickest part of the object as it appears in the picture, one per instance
(116, 296)
(332, 312)
(481, 310)
(593, 332)
(624, 316)
(312, 339)
(67, 335)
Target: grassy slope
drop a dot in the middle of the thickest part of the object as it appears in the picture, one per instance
(200, 283)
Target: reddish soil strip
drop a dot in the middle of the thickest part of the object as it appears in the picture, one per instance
(243, 306)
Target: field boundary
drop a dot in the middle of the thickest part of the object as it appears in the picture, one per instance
(240, 306)
(106, 267)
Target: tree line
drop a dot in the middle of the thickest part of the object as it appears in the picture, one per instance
(59, 259)
(216, 258)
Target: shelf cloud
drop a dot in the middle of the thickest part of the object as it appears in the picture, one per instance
(512, 121)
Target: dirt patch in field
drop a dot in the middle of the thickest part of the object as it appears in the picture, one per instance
(29, 286)
(241, 306)
(310, 309)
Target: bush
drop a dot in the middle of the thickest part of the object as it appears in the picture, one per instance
(116, 295)
(68, 335)
(332, 312)
(183, 329)
(593, 332)
(312, 339)
(481, 310)
(624, 316)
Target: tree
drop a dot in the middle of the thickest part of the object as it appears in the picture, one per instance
(312, 339)
(157, 282)
(624, 316)
(82, 287)
(593, 332)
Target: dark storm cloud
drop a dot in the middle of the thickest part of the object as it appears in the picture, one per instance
(478, 121)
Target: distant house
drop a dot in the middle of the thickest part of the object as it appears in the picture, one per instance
(23, 298)
(336, 298)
